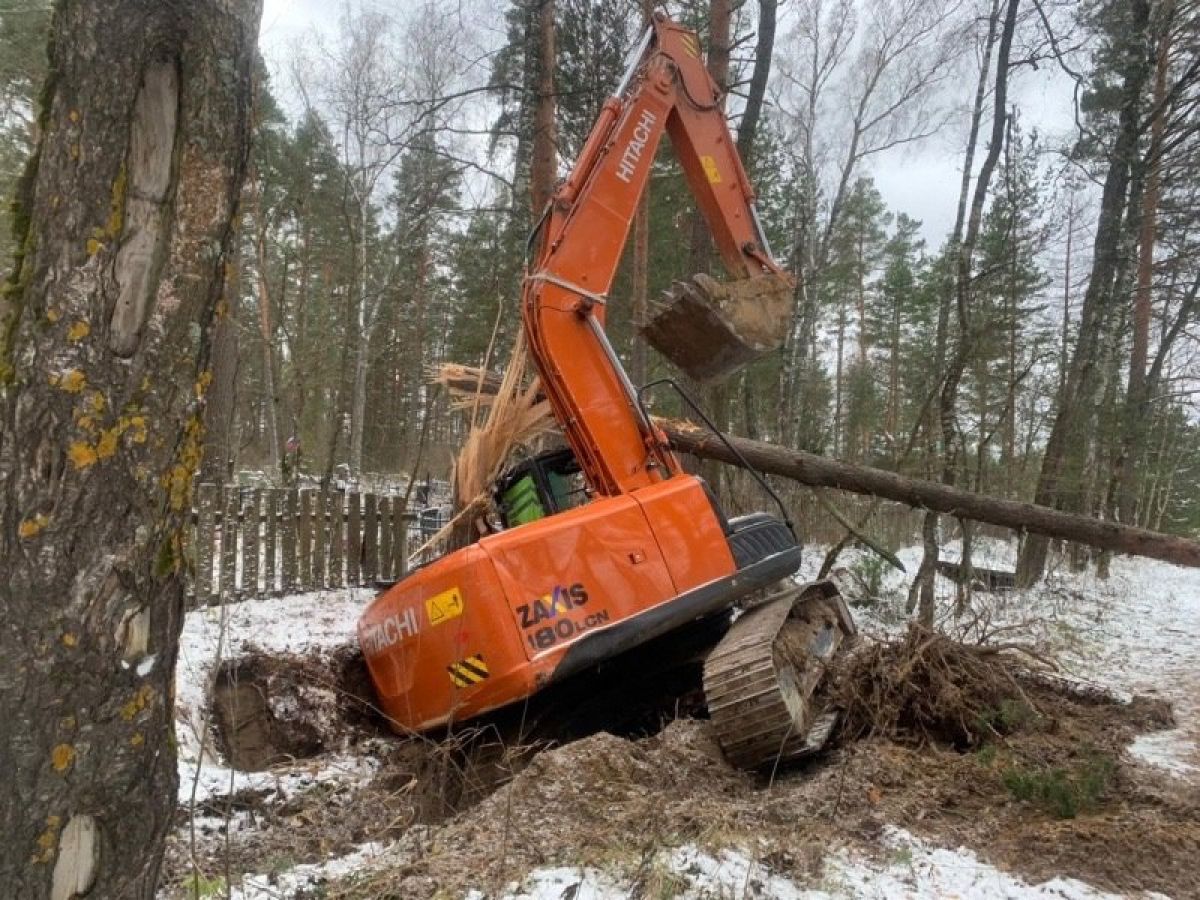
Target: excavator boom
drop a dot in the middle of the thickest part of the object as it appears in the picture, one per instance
(705, 328)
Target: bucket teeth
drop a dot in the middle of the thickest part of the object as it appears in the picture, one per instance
(710, 329)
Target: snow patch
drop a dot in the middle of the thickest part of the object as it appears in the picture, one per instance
(306, 877)
(913, 870)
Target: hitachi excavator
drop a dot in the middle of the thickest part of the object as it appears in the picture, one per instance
(610, 547)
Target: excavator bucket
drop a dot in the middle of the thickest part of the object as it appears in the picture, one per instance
(710, 329)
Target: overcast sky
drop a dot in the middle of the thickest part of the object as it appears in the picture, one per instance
(921, 180)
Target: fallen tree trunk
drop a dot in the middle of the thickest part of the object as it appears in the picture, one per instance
(818, 471)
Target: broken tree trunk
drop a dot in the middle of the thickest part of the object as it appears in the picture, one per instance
(817, 471)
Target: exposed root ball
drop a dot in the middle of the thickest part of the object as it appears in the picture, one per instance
(927, 687)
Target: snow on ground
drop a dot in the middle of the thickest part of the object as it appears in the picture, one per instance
(1136, 632)
(304, 877)
(914, 871)
(319, 620)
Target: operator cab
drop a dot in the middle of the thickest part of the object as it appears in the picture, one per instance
(552, 482)
(540, 486)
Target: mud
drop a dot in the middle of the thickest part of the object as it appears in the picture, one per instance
(709, 329)
(273, 709)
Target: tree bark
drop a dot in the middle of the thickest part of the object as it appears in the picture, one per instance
(1137, 395)
(128, 209)
(818, 471)
(266, 330)
(544, 171)
(1067, 433)
(220, 438)
(921, 590)
(964, 290)
(764, 51)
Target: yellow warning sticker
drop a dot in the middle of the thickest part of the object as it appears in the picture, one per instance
(690, 46)
(469, 671)
(710, 169)
(444, 606)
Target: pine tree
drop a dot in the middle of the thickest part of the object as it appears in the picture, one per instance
(857, 246)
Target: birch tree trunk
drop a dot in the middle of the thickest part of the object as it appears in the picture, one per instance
(127, 219)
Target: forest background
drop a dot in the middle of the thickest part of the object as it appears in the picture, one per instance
(990, 207)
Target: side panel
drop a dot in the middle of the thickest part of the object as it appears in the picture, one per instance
(688, 532)
(440, 644)
(578, 571)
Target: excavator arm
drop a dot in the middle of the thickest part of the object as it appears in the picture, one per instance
(583, 232)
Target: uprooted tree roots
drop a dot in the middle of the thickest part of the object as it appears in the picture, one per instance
(926, 687)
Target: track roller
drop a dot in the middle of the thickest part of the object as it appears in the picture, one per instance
(760, 679)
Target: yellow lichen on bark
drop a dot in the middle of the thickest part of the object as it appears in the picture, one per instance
(78, 331)
(116, 213)
(61, 757)
(72, 381)
(203, 382)
(137, 703)
(178, 479)
(69, 639)
(137, 429)
(47, 841)
(32, 526)
(107, 445)
(82, 454)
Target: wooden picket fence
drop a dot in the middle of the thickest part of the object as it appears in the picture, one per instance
(255, 542)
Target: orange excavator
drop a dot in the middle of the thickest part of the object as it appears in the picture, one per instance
(609, 550)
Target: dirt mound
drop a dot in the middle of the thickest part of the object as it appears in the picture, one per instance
(602, 800)
(958, 744)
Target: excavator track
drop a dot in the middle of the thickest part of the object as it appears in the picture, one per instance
(760, 679)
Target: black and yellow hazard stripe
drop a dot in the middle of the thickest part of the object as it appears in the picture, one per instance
(469, 671)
